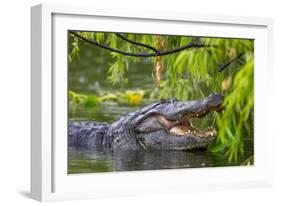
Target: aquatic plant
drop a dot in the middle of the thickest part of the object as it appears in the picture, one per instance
(130, 97)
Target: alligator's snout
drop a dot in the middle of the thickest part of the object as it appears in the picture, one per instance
(214, 101)
(182, 124)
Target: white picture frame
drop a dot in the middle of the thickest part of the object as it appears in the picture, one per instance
(49, 179)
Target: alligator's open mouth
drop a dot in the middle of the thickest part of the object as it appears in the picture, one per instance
(183, 126)
(170, 125)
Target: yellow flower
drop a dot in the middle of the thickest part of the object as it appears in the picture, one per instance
(134, 98)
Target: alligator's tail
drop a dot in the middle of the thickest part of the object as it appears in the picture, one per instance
(87, 134)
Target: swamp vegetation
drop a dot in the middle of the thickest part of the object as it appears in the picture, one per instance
(103, 84)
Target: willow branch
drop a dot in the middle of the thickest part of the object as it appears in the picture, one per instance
(156, 53)
(136, 43)
(225, 65)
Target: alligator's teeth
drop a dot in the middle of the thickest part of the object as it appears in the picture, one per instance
(215, 132)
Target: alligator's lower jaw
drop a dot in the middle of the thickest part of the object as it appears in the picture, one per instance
(182, 131)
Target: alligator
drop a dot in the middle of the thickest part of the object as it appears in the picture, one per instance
(164, 125)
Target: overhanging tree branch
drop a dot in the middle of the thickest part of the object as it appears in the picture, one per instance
(156, 52)
(239, 57)
(136, 43)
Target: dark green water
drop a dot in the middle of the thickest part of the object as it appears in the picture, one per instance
(85, 161)
(88, 76)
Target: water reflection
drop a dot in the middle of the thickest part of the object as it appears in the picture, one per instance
(134, 160)
(85, 161)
